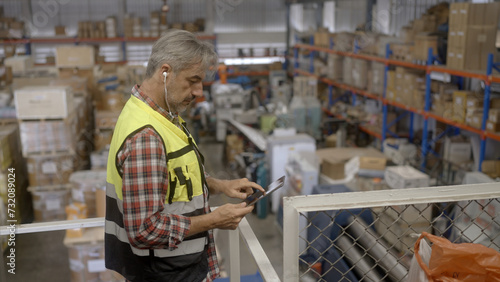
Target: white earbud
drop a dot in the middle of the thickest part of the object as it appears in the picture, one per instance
(165, 74)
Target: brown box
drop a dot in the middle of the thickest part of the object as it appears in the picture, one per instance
(10, 150)
(460, 105)
(53, 169)
(322, 38)
(418, 101)
(49, 202)
(391, 79)
(75, 56)
(479, 41)
(492, 126)
(474, 14)
(360, 73)
(234, 146)
(331, 141)
(474, 120)
(422, 44)
(60, 30)
(106, 119)
(474, 101)
(372, 163)
(333, 168)
(491, 168)
(494, 115)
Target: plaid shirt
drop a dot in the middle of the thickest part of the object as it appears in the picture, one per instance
(143, 163)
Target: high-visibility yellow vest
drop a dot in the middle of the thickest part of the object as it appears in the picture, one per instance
(185, 196)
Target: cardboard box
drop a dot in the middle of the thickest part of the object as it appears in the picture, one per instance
(75, 56)
(333, 160)
(322, 38)
(479, 41)
(495, 103)
(19, 64)
(391, 79)
(422, 44)
(10, 150)
(100, 202)
(360, 73)
(75, 211)
(234, 146)
(491, 168)
(492, 126)
(460, 105)
(399, 177)
(418, 101)
(331, 141)
(53, 169)
(43, 102)
(333, 168)
(457, 150)
(494, 115)
(372, 163)
(85, 184)
(49, 202)
(60, 30)
(464, 14)
(106, 119)
(47, 136)
(475, 120)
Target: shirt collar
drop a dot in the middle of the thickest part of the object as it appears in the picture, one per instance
(137, 92)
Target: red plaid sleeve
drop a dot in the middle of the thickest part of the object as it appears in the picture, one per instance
(143, 165)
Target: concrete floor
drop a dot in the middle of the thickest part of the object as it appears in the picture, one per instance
(43, 256)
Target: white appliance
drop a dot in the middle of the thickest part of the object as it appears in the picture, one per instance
(279, 149)
(302, 174)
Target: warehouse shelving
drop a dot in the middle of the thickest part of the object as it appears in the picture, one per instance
(76, 40)
(487, 77)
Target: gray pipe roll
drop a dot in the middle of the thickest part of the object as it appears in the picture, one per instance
(365, 236)
(361, 263)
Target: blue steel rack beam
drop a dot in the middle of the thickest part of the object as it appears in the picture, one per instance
(488, 78)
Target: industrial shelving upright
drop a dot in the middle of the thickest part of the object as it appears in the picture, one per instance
(426, 113)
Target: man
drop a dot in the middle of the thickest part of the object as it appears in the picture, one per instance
(158, 222)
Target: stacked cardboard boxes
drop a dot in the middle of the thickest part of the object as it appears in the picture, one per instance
(442, 98)
(13, 170)
(375, 83)
(460, 99)
(360, 73)
(111, 27)
(493, 122)
(10, 27)
(472, 35)
(334, 67)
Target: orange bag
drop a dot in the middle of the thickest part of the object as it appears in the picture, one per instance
(459, 262)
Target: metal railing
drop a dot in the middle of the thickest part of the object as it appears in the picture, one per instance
(265, 267)
(369, 236)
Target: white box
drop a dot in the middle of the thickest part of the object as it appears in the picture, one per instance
(399, 177)
(19, 64)
(457, 152)
(43, 102)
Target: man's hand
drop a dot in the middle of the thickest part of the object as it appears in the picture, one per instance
(238, 188)
(227, 216)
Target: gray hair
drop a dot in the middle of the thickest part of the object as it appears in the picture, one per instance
(181, 50)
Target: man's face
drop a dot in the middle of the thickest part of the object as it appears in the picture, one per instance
(185, 87)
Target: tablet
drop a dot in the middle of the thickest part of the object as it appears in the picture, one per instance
(255, 197)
